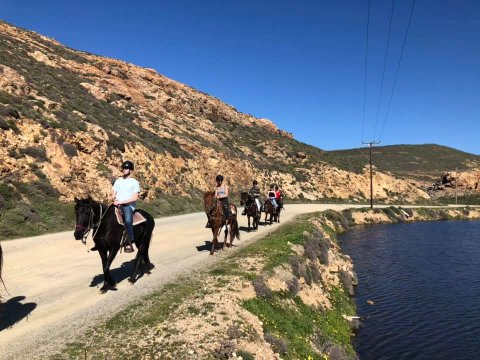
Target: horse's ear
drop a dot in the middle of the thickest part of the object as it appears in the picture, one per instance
(89, 199)
(76, 200)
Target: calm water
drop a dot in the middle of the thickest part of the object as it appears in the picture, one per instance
(424, 279)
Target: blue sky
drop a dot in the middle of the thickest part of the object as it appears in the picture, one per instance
(299, 63)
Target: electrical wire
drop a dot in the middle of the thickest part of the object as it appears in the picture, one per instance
(366, 67)
(398, 68)
(383, 73)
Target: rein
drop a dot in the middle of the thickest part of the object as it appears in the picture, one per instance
(91, 225)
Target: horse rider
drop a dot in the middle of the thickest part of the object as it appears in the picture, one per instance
(278, 196)
(125, 193)
(272, 196)
(221, 194)
(255, 193)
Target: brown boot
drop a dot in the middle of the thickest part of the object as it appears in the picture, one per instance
(128, 246)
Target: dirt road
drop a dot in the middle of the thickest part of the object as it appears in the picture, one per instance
(54, 282)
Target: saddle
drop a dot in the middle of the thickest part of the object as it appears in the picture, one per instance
(137, 217)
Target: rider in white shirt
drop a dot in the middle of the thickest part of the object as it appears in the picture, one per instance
(125, 193)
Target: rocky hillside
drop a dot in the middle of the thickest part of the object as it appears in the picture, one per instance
(68, 119)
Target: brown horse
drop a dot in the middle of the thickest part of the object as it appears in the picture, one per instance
(269, 210)
(214, 211)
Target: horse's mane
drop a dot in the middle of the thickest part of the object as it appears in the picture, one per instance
(208, 194)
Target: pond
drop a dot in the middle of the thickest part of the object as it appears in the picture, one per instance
(424, 281)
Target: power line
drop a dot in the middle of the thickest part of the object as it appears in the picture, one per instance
(398, 68)
(366, 67)
(384, 67)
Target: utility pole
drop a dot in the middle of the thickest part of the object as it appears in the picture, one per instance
(371, 144)
(456, 182)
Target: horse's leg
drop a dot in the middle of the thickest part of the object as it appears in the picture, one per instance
(226, 234)
(103, 256)
(136, 269)
(248, 218)
(111, 257)
(215, 239)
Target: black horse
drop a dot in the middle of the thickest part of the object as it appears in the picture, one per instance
(252, 209)
(107, 235)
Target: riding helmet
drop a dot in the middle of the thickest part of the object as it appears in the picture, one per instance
(127, 165)
(219, 178)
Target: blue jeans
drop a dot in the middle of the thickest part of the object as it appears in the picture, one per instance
(274, 202)
(128, 218)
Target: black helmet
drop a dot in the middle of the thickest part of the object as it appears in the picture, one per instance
(272, 186)
(219, 178)
(255, 182)
(127, 165)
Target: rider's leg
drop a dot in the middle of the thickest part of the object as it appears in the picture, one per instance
(226, 207)
(128, 215)
(259, 206)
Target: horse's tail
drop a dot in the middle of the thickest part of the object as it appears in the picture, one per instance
(235, 229)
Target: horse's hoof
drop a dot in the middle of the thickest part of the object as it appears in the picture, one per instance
(131, 280)
(148, 268)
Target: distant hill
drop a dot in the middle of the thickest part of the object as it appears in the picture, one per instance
(421, 162)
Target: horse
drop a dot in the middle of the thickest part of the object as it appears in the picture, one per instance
(252, 209)
(269, 210)
(276, 216)
(214, 211)
(107, 235)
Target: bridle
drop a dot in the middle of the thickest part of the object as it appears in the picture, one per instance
(91, 224)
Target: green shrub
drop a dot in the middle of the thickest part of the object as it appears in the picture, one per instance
(37, 152)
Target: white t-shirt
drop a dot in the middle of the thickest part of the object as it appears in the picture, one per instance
(125, 188)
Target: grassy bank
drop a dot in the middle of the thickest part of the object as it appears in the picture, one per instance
(266, 321)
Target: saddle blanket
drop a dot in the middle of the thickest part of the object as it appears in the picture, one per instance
(137, 217)
(232, 209)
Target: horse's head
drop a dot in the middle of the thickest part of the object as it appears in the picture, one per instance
(243, 198)
(209, 201)
(83, 216)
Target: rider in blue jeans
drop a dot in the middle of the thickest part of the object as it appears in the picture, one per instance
(125, 192)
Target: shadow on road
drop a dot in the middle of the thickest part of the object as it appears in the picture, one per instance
(208, 246)
(13, 311)
(245, 228)
(119, 274)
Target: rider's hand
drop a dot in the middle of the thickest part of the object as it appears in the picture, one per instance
(116, 203)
